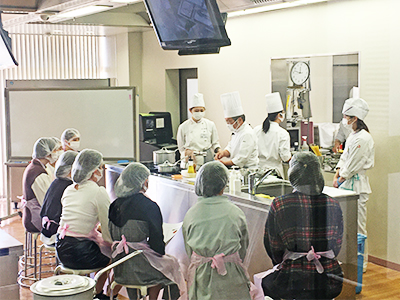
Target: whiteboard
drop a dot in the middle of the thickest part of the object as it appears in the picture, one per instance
(105, 117)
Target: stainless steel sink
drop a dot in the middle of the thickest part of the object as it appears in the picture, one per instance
(274, 189)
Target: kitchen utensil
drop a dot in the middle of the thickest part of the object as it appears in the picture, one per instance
(63, 287)
(199, 158)
(167, 167)
(162, 155)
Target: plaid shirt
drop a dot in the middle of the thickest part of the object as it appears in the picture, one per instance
(296, 222)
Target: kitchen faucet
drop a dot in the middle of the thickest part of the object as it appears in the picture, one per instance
(253, 184)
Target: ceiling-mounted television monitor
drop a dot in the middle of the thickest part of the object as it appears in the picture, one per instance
(187, 24)
(7, 59)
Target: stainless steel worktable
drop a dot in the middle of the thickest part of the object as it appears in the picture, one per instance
(175, 197)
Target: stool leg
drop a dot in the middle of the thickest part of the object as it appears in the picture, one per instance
(40, 261)
(35, 258)
(26, 253)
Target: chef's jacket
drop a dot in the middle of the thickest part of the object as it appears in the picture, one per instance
(357, 157)
(243, 147)
(273, 147)
(343, 133)
(197, 136)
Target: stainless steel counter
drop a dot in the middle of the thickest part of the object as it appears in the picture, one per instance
(176, 197)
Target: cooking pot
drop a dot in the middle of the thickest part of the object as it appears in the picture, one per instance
(167, 167)
(64, 287)
(199, 158)
(162, 155)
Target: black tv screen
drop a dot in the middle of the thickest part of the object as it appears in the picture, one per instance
(187, 24)
(7, 59)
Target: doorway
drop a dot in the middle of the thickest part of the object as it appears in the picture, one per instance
(180, 85)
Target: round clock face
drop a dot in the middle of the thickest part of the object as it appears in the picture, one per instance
(299, 73)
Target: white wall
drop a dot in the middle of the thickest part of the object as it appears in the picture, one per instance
(366, 26)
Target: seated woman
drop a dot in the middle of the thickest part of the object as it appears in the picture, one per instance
(136, 221)
(57, 152)
(51, 208)
(85, 205)
(36, 180)
(216, 240)
(303, 236)
(71, 139)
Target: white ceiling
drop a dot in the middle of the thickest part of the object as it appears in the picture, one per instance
(26, 16)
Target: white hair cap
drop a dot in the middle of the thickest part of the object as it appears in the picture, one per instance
(44, 146)
(355, 107)
(197, 101)
(64, 164)
(131, 180)
(211, 179)
(232, 104)
(274, 103)
(85, 164)
(69, 134)
(354, 92)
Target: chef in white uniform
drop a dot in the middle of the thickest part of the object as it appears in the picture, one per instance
(273, 140)
(242, 148)
(357, 158)
(344, 131)
(198, 134)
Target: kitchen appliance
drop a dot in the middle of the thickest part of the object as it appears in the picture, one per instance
(155, 132)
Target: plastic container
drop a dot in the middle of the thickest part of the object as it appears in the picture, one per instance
(235, 182)
(360, 260)
(304, 146)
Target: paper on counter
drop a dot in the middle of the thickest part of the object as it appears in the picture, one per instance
(170, 229)
(334, 192)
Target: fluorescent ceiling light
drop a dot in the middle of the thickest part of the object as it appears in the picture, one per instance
(273, 7)
(83, 11)
(125, 1)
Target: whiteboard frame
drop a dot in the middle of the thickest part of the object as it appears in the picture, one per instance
(135, 120)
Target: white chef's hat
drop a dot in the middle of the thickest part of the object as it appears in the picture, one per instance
(355, 107)
(232, 104)
(274, 103)
(197, 100)
(354, 92)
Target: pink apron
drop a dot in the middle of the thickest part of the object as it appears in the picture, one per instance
(218, 261)
(166, 264)
(93, 235)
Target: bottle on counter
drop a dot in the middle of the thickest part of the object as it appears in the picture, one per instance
(235, 182)
(304, 146)
(191, 168)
